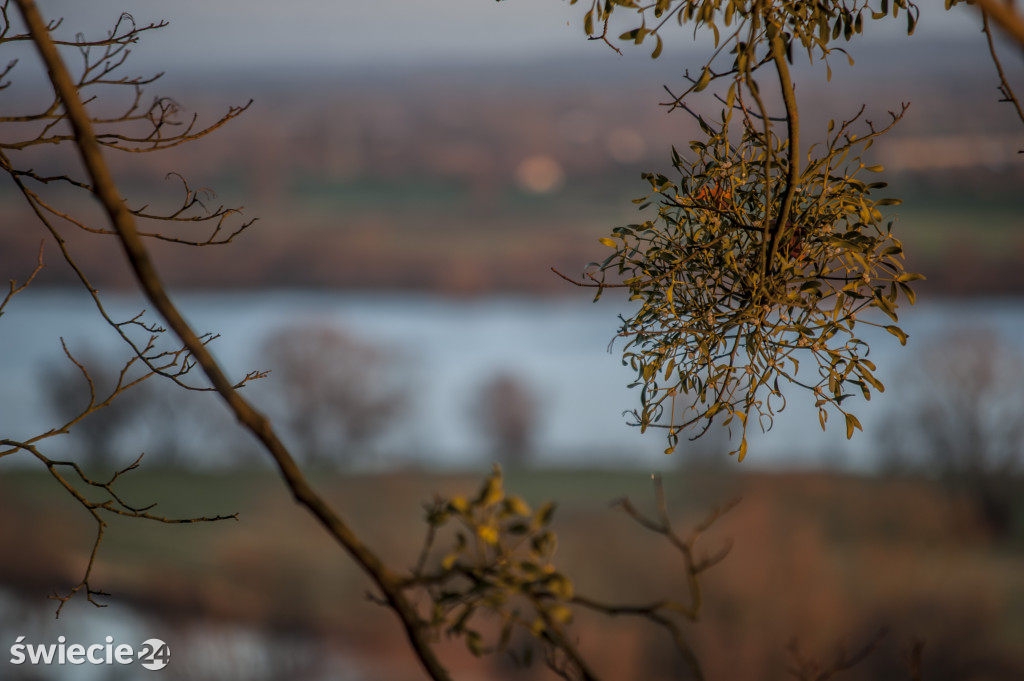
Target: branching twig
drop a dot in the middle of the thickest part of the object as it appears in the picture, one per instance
(16, 288)
(604, 38)
(658, 612)
(805, 669)
(114, 505)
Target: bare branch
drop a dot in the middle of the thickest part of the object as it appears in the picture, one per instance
(806, 669)
(114, 505)
(16, 288)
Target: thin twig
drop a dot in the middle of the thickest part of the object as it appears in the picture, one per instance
(1004, 85)
(16, 288)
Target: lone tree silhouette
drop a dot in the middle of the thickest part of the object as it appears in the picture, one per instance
(958, 417)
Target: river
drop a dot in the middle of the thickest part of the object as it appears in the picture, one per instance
(557, 347)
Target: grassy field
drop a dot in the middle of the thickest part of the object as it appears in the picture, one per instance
(820, 559)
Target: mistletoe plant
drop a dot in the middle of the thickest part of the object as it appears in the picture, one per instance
(762, 256)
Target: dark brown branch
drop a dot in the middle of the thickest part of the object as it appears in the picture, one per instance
(583, 284)
(914, 661)
(604, 38)
(778, 50)
(113, 39)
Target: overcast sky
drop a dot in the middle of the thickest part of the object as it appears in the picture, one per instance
(251, 32)
(256, 33)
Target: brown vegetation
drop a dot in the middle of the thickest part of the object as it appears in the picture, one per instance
(826, 561)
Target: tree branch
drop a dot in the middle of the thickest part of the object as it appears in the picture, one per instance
(1004, 85)
(778, 48)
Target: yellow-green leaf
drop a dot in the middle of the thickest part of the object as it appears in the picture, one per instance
(488, 534)
(560, 613)
(517, 506)
(544, 514)
(851, 423)
(705, 78)
(898, 332)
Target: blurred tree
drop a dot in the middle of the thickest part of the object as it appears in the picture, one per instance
(68, 391)
(506, 412)
(334, 394)
(156, 419)
(957, 415)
